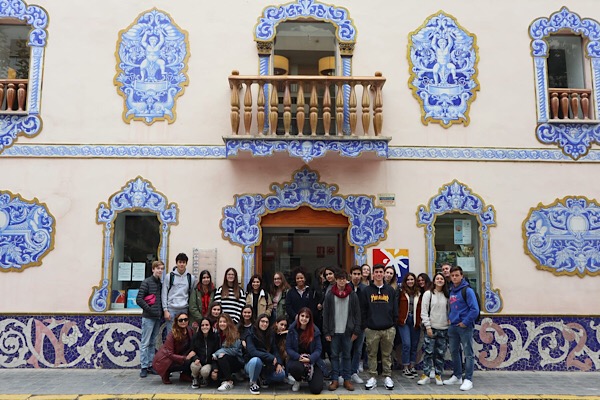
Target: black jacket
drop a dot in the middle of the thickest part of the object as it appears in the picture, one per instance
(379, 307)
(149, 286)
(204, 347)
(293, 302)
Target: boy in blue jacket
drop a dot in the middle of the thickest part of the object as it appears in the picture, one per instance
(462, 318)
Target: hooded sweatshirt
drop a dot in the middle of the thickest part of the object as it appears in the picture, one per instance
(379, 307)
(460, 311)
(178, 296)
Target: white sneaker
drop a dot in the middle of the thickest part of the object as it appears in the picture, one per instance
(360, 366)
(225, 386)
(371, 384)
(296, 386)
(466, 385)
(356, 378)
(290, 380)
(388, 383)
(438, 380)
(424, 380)
(453, 381)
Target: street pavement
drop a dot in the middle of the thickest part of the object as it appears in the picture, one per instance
(126, 384)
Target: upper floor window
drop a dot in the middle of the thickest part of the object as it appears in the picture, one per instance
(14, 65)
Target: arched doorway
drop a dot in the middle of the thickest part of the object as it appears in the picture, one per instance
(304, 238)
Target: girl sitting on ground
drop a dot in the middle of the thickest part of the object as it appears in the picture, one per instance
(204, 344)
(229, 356)
(175, 354)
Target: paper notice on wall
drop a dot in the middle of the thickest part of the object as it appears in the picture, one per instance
(139, 272)
(124, 271)
(466, 263)
(462, 231)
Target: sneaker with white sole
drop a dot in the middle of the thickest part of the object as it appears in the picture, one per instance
(225, 386)
(356, 379)
(195, 383)
(407, 373)
(438, 380)
(371, 384)
(388, 383)
(296, 386)
(466, 385)
(290, 380)
(254, 389)
(453, 381)
(424, 380)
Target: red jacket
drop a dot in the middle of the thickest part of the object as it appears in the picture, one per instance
(172, 352)
(403, 310)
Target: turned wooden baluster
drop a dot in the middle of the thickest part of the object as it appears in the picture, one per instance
(378, 109)
(585, 105)
(339, 109)
(1, 94)
(366, 103)
(327, 110)
(575, 105)
(248, 107)
(260, 107)
(235, 105)
(564, 105)
(10, 97)
(273, 113)
(352, 107)
(21, 93)
(300, 108)
(287, 109)
(554, 104)
(313, 117)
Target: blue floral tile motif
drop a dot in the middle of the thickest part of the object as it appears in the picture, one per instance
(574, 140)
(241, 222)
(456, 197)
(306, 149)
(12, 126)
(564, 237)
(152, 56)
(501, 343)
(273, 15)
(137, 195)
(443, 70)
(27, 232)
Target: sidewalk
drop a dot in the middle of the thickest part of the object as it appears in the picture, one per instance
(75, 383)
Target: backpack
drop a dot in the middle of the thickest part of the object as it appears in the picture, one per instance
(172, 279)
(464, 296)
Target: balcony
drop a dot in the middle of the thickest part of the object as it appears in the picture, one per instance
(570, 105)
(306, 116)
(13, 95)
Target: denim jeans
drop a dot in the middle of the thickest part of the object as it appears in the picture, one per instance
(410, 341)
(254, 368)
(461, 337)
(357, 347)
(341, 345)
(434, 349)
(150, 328)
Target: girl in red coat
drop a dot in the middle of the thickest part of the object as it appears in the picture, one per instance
(175, 354)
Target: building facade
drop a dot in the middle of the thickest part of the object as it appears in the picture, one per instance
(268, 136)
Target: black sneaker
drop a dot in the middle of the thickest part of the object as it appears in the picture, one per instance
(254, 389)
(203, 382)
(263, 383)
(143, 373)
(195, 384)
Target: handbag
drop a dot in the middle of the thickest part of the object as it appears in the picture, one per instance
(150, 299)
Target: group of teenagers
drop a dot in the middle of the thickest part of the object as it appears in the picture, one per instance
(217, 335)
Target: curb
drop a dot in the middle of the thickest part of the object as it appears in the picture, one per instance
(324, 396)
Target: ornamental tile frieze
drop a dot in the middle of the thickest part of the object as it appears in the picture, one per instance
(564, 237)
(27, 231)
(443, 70)
(152, 56)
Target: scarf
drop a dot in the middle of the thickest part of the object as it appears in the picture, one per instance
(343, 294)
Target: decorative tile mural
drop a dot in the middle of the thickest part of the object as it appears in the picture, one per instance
(137, 195)
(27, 231)
(11, 125)
(241, 221)
(512, 343)
(152, 56)
(457, 197)
(564, 237)
(574, 140)
(443, 70)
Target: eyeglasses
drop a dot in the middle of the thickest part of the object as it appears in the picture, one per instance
(182, 320)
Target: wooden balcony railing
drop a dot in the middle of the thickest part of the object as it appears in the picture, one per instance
(307, 102)
(13, 94)
(570, 103)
